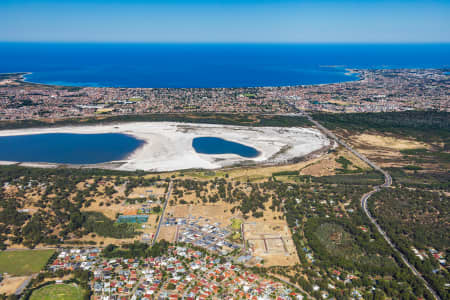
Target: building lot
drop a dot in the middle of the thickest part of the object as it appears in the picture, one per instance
(271, 242)
(152, 193)
(213, 213)
(10, 284)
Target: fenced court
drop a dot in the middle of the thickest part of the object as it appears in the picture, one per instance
(138, 219)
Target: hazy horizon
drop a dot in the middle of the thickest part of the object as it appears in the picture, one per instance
(215, 21)
(223, 43)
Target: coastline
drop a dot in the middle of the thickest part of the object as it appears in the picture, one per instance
(168, 145)
(345, 71)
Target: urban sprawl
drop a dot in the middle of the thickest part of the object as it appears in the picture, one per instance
(377, 91)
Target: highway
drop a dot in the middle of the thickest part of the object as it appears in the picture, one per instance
(365, 197)
(169, 190)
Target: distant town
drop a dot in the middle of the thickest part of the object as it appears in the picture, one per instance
(379, 90)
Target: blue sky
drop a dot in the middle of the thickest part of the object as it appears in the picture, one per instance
(264, 21)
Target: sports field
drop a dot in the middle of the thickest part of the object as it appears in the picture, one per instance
(58, 292)
(23, 262)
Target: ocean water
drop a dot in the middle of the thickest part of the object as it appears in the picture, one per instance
(215, 145)
(209, 65)
(67, 148)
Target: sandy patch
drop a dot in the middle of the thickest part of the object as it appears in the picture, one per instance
(271, 241)
(388, 142)
(9, 285)
(214, 213)
(151, 192)
(384, 150)
(167, 233)
(327, 165)
(7, 163)
(7, 82)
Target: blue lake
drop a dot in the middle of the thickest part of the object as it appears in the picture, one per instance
(67, 147)
(215, 145)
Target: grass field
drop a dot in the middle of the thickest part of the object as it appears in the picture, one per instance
(58, 292)
(236, 224)
(23, 262)
(236, 227)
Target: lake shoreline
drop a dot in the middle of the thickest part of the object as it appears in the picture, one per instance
(168, 145)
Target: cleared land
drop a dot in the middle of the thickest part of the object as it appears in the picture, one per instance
(388, 141)
(383, 149)
(58, 292)
(9, 285)
(23, 262)
(272, 241)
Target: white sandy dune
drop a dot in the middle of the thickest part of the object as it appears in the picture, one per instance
(168, 145)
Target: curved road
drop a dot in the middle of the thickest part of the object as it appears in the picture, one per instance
(365, 197)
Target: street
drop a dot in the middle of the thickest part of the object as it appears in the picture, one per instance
(169, 190)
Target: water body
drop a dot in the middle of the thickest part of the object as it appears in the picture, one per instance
(209, 65)
(67, 148)
(215, 145)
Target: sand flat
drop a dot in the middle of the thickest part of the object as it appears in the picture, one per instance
(168, 145)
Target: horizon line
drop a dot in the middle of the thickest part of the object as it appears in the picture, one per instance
(235, 42)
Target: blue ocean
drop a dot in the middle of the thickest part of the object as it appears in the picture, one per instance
(209, 65)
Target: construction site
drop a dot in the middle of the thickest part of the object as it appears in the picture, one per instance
(273, 243)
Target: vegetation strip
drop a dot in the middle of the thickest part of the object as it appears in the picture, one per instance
(387, 183)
